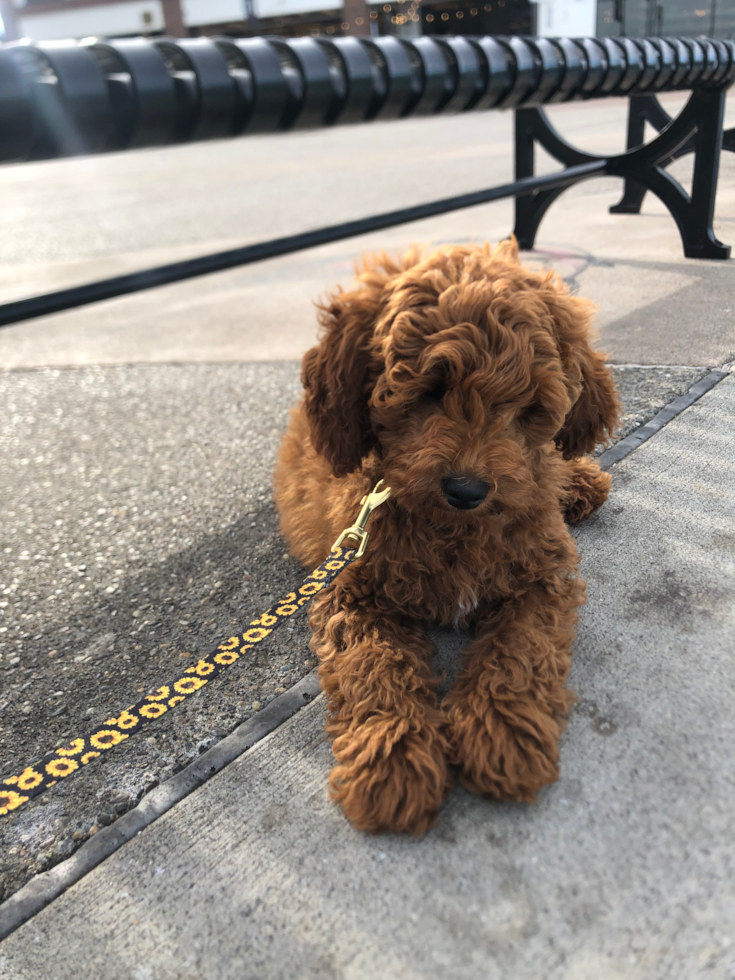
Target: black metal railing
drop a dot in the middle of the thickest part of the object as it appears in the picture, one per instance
(64, 98)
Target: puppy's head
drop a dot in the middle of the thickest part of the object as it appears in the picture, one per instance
(455, 369)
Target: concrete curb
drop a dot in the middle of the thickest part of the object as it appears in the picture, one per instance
(44, 888)
(643, 433)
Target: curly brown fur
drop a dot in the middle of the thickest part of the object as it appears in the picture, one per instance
(460, 363)
(586, 491)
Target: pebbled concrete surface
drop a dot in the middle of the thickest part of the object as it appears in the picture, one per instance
(624, 869)
(139, 530)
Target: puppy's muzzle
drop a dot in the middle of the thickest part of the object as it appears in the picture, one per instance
(464, 492)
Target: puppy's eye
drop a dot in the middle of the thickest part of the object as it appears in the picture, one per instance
(531, 413)
(436, 393)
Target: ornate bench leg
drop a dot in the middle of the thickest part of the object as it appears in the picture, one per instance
(530, 125)
(697, 128)
(642, 109)
(525, 226)
(633, 192)
(699, 237)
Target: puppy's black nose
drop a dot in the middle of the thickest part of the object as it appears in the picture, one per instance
(464, 492)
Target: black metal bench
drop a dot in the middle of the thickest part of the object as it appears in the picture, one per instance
(643, 109)
(60, 99)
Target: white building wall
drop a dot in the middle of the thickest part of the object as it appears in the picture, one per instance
(199, 12)
(567, 18)
(110, 20)
(280, 8)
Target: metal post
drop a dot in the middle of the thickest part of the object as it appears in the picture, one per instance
(525, 144)
(700, 241)
(8, 16)
(173, 19)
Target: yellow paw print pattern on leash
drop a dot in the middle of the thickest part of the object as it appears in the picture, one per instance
(72, 757)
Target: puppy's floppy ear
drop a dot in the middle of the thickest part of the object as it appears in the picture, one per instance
(338, 376)
(595, 405)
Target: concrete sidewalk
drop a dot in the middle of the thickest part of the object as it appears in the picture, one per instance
(141, 530)
(72, 221)
(624, 870)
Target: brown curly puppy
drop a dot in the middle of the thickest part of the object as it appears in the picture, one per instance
(468, 384)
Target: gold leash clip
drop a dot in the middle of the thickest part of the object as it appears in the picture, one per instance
(374, 499)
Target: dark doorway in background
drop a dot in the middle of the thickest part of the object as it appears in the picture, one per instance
(468, 17)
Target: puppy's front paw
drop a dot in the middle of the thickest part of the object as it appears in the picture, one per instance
(509, 756)
(390, 777)
(588, 490)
